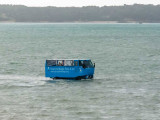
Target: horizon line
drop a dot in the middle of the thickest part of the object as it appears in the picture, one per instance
(80, 6)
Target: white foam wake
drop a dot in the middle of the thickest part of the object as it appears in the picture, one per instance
(20, 80)
(21, 77)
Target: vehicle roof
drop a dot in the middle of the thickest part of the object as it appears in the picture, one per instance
(68, 59)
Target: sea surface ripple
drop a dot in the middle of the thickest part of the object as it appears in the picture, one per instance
(126, 85)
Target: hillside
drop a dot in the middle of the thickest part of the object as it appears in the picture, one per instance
(126, 13)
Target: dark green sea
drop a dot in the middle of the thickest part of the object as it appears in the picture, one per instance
(126, 85)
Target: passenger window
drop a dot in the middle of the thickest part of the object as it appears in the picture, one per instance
(76, 63)
(68, 63)
(60, 63)
(80, 63)
(51, 62)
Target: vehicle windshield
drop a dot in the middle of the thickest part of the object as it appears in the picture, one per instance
(86, 63)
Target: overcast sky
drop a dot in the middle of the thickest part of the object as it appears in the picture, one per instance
(77, 3)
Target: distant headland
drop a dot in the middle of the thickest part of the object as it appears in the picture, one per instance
(136, 13)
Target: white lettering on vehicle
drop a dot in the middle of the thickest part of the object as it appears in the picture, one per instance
(62, 69)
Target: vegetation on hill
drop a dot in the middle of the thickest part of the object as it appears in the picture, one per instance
(125, 13)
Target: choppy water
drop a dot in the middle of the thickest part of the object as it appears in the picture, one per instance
(127, 77)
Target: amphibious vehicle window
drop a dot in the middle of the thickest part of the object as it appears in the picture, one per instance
(60, 63)
(68, 63)
(89, 64)
(51, 62)
(86, 63)
(76, 63)
(80, 63)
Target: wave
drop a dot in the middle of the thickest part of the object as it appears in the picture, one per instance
(20, 80)
(21, 77)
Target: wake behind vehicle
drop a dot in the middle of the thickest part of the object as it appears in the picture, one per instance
(69, 69)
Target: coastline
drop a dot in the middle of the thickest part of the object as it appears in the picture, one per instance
(83, 22)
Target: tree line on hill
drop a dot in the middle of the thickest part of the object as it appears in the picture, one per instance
(125, 13)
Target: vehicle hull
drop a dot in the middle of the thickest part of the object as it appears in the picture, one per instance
(69, 72)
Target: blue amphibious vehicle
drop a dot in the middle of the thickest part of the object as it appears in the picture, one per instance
(69, 69)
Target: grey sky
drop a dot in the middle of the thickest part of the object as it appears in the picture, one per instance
(77, 3)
